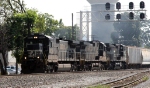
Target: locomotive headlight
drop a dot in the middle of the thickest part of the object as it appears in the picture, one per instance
(38, 57)
(25, 58)
(35, 37)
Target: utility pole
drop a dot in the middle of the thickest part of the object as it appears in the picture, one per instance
(72, 28)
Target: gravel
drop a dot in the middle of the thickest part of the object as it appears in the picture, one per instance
(145, 84)
(59, 80)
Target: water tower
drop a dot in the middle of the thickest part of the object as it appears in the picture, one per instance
(100, 28)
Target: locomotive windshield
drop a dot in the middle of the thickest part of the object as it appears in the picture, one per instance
(34, 50)
(34, 47)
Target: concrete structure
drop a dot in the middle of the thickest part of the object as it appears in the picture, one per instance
(11, 59)
(101, 29)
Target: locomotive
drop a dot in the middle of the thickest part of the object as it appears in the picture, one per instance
(116, 53)
(35, 53)
(43, 53)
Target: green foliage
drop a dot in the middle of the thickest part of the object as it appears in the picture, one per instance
(145, 34)
(19, 25)
(145, 78)
(8, 7)
(65, 32)
(51, 25)
(129, 32)
(147, 46)
(39, 25)
(30, 17)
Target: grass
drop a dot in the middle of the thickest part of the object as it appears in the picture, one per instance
(145, 78)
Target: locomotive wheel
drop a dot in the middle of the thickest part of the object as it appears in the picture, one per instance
(102, 67)
(99, 67)
(110, 67)
(72, 68)
(78, 68)
(47, 71)
(25, 70)
(55, 69)
(85, 67)
(51, 70)
(123, 66)
(90, 68)
(75, 67)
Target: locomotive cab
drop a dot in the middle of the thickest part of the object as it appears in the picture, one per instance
(36, 48)
(35, 51)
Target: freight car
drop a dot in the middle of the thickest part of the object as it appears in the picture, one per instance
(134, 57)
(145, 58)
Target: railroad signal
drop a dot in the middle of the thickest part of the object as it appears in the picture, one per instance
(118, 5)
(131, 5)
(142, 15)
(118, 16)
(107, 6)
(107, 17)
(131, 15)
(142, 5)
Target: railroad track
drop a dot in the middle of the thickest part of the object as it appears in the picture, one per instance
(128, 81)
(63, 72)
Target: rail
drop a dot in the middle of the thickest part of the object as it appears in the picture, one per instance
(128, 80)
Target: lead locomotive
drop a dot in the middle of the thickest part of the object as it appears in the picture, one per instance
(35, 53)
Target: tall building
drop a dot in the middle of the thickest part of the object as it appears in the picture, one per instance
(101, 29)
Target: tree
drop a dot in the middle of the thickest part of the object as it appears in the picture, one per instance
(51, 25)
(4, 39)
(129, 32)
(145, 34)
(39, 26)
(19, 25)
(8, 7)
(66, 32)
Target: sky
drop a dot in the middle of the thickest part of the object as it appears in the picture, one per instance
(62, 9)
